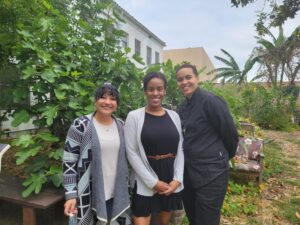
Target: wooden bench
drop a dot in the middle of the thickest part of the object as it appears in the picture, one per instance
(10, 191)
(249, 157)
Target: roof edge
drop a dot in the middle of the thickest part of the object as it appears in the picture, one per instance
(125, 13)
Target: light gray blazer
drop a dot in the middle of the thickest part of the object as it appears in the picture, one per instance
(142, 173)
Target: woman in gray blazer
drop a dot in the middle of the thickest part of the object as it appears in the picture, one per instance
(153, 140)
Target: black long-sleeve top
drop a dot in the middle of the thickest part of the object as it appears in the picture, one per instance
(210, 136)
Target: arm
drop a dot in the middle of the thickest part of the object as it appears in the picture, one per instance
(179, 160)
(221, 119)
(133, 154)
(70, 159)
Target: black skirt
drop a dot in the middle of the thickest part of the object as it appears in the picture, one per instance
(143, 206)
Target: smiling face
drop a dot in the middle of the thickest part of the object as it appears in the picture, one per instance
(106, 105)
(155, 92)
(187, 81)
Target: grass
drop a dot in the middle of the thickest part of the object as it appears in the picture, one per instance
(293, 140)
(273, 161)
(277, 164)
(242, 200)
(289, 209)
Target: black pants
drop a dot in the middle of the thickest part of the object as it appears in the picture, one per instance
(203, 205)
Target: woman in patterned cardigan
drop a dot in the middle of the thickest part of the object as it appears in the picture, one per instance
(94, 165)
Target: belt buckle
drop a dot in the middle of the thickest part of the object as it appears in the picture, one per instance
(158, 157)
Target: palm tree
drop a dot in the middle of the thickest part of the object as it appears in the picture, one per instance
(271, 55)
(280, 56)
(232, 72)
(293, 56)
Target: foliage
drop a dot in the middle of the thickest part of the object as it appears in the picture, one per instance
(240, 200)
(279, 57)
(267, 107)
(230, 94)
(61, 54)
(277, 15)
(232, 73)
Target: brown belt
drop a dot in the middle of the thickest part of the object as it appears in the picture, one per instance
(159, 157)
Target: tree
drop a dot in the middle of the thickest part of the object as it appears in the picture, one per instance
(292, 59)
(232, 73)
(60, 51)
(279, 57)
(278, 13)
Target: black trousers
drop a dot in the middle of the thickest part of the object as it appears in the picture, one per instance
(203, 205)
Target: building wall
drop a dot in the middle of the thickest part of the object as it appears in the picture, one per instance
(195, 56)
(136, 30)
(146, 39)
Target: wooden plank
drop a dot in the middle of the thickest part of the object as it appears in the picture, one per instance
(11, 189)
(29, 216)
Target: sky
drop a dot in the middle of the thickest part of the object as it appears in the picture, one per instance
(210, 24)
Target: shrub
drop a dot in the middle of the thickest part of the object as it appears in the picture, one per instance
(269, 108)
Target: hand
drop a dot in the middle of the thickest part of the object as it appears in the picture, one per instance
(173, 185)
(161, 186)
(70, 207)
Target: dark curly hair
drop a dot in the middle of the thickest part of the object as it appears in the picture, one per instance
(109, 89)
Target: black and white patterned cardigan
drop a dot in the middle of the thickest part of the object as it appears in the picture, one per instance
(82, 172)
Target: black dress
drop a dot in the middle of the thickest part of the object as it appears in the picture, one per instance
(159, 137)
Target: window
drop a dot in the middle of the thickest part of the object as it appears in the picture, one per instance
(149, 55)
(137, 47)
(156, 57)
(124, 40)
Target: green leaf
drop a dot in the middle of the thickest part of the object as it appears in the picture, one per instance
(87, 83)
(55, 169)
(64, 87)
(81, 90)
(28, 44)
(38, 186)
(23, 155)
(20, 94)
(60, 95)
(47, 136)
(50, 112)
(28, 190)
(75, 73)
(24, 33)
(35, 183)
(90, 108)
(74, 105)
(45, 56)
(57, 179)
(27, 181)
(57, 154)
(28, 72)
(49, 75)
(20, 117)
(45, 23)
(138, 58)
(23, 140)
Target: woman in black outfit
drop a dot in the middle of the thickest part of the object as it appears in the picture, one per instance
(154, 149)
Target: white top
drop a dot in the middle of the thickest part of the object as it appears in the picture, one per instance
(142, 173)
(110, 145)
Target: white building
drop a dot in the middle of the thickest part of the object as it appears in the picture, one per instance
(140, 39)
